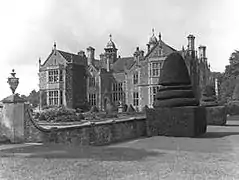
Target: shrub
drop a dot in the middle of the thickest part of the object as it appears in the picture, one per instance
(235, 95)
(94, 109)
(60, 114)
(232, 108)
(37, 115)
(130, 109)
(209, 91)
(145, 108)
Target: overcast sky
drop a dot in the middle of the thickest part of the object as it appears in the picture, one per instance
(30, 27)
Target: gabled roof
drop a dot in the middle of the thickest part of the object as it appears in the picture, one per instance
(123, 64)
(47, 58)
(69, 56)
(166, 48)
(66, 55)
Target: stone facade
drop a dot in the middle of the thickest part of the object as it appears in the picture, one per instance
(132, 80)
(62, 79)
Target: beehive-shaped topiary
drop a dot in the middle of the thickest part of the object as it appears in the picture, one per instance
(176, 89)
(174, 71)
(209, 96)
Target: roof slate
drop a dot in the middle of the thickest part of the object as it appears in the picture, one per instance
(166, 48)
(123, 64)
(69, 56)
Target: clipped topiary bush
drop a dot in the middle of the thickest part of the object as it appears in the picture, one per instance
(174, 71)
(125, 107)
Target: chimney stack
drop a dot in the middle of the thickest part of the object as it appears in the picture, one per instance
(81, 53)
(202, 52)
(191, 45)
(90, 55)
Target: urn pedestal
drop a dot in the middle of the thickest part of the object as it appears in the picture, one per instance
(187, 121)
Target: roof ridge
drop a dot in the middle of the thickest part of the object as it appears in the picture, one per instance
(66, 52)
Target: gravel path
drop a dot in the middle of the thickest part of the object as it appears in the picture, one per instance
(212, 156)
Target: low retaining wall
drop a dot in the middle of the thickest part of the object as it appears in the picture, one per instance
(99, 133)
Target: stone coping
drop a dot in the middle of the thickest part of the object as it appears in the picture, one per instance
(89, 123)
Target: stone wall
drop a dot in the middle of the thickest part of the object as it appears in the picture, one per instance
(99, 133)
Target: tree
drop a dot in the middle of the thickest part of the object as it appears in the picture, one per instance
(34, 98)
(232, 70)
(234, 58)
(228, 78)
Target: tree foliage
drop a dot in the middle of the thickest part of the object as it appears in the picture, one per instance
(34, 98)
(227, 81)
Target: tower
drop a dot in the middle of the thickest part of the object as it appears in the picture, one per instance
(152, 41)
(110, 53)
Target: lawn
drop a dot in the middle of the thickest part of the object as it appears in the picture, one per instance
(213, 156)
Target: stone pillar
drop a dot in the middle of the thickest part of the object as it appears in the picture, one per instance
(12, 122)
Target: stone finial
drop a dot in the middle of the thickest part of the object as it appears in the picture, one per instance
(39, 61)
(54, 48)
(160, 35)
(13, 81)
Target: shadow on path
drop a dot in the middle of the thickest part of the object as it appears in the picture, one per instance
(217, 134)
(81, 152)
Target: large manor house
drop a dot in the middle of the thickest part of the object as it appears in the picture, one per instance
(75, 80)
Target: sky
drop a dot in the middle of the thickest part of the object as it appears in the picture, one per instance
(29, 29)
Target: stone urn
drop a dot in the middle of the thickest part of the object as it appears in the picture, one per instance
(13, 81)
(120, 107)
